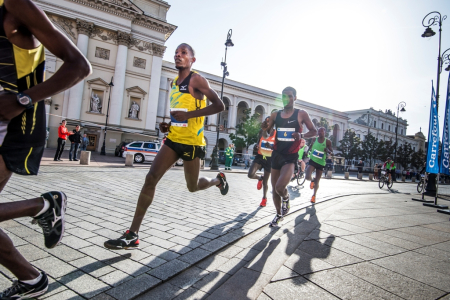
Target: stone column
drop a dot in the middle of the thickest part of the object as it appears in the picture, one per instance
(76, 92)
(232, 116)
(212, 120)
(65, 106)
(155, 78)
(167, 108)
(115, 107)
(48, 102)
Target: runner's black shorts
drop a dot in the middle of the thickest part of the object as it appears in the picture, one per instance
(264, 161)
(279, 160)
(22, 160)
(316, 165)
(186, 152)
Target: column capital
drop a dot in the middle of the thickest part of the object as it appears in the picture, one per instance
(123, 38)
(158, 50)
(84, 27)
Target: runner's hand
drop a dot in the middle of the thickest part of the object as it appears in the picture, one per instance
(9, 108)
(164, 127)
(265, 125)
(296, 136)
(180, 116)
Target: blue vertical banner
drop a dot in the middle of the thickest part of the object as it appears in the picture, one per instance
(445, 151)
(433, 137)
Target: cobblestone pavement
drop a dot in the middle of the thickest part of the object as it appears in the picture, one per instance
(180, 228)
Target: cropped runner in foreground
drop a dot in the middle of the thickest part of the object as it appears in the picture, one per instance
(24, 32)
(185, 140)
(288, 123)
(319, 150)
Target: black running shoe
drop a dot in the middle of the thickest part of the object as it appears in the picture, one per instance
(52, 221)
(20, 290)
(128, 240)
(285, 206)
(276, 221)
(223, 186)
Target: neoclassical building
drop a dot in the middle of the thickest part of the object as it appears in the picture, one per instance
(124, 41)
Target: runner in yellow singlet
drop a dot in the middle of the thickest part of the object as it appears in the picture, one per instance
(185, 140)
(25, 34)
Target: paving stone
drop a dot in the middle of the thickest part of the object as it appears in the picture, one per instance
(22, 231)
(304, 263)
(116, 277)
(152, 261)
(66, 294)
(296, 288)
(17, 241)
(87, 225)
(380, 246)
(180, 249)
(192, 294)
(284, 273)
(161, 242)
(354, 249)
(232, 266)
(32, 253)
(165, 291)
(92, 266)
(54, 267)
(230, 251)
(214, 245)
(393, 282)
(445, 227)
(161, 252)
(346, 286)
(4, 282)
(194, 256)
(188, 277)
(103, 296)
(67, 253)
(434, 252)
(212, 281)
(402, 243)
(54, 287)
(75, 242)
(81, 233)
(132, 288)
(130, 267)
(247, 254)
(328, 254)
(184, 242)
(99, 253)
(83, 284)
(169, 269)
(442, 246)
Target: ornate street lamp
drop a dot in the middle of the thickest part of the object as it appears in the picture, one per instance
(111, 84)
(401, 107)
(435, 18)
(215, 155)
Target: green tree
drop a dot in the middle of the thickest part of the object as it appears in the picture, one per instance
(369, 148)
(385, 150)
(246, 131)
(349, 147)
(417, 159)
(404, 153)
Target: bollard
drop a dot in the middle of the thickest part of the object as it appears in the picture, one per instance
(329, 174)
(371, 177)
(202, 164)
(85, 158)
(347, 175)
(129, 159)
(413, 179)
(403, 178)
(360, 175)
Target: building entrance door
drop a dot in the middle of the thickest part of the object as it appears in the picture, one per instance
(92, 142)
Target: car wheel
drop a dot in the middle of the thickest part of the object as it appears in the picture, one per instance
(139, 158)
(116, 153)
(179, 162)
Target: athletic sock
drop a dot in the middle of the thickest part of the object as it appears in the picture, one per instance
(43, 210)
(33, 281)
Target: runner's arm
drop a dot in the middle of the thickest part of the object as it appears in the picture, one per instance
(74, 69)
(303, 118)
(268, 125)
(199, 83)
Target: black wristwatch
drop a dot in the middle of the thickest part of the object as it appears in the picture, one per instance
(24, 100)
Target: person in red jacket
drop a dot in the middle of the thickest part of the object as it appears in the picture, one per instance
(63, 133)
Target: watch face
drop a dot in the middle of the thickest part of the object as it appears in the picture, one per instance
(24, 100)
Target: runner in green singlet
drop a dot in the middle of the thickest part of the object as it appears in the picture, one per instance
(320, 147)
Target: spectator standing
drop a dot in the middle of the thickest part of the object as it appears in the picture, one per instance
(75, 141)
(63, 133)
(84, 142)
(229, 153)
(360, 166)
(375, 171)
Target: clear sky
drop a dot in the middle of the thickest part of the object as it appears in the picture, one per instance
(345, 55)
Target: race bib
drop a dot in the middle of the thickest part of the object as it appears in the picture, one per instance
(285, 134)
(318, 154)
(266, 145)
(178, 123)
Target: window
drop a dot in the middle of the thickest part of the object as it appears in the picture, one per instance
(206, 120)
(389, 127)
(382, 125)
(225, 123)
(395, 129)
(149, 146)
(358, 135)
(414, 148)
(402, 130)
(375, 124)
(137, 145)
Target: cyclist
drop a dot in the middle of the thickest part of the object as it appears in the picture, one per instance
(302, 158)
(389, 166)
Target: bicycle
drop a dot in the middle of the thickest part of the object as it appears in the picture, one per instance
(422, 183)
(299, 175)
(384, 179)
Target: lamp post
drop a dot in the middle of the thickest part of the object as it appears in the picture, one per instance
(215, 155)
(435, 18)
(400, 108)
(111, 84)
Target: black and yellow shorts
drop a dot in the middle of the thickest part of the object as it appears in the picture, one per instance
(186, 152)
(264, 161)
(22, 160)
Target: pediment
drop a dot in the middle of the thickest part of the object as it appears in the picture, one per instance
(98, 81)
(136, 89)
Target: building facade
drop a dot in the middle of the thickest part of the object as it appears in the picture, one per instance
(130, 84)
